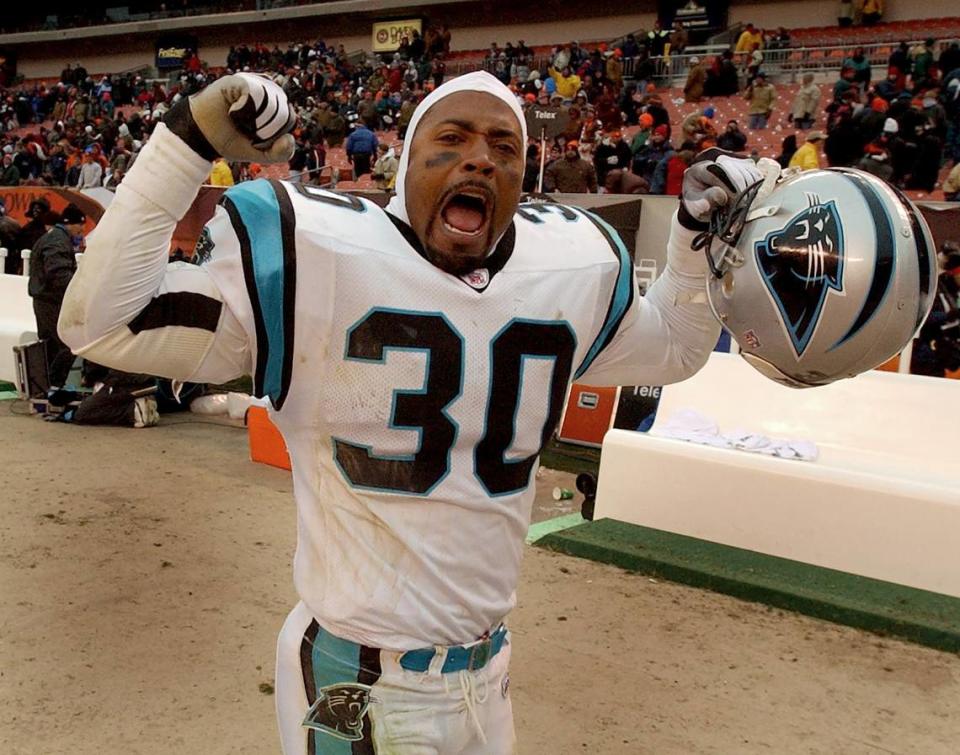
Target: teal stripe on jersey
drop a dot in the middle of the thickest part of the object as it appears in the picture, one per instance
(622, 293)
(335, 661)
(259, 210)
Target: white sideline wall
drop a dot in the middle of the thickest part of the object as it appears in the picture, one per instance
(882, 500)
(18, 325)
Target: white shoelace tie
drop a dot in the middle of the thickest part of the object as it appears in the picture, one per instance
(472, 697)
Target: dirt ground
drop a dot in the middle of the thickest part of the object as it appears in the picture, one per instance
(144, 575)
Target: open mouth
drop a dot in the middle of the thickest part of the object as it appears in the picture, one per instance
(466, 212)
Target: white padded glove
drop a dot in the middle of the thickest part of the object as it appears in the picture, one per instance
(244, 117)
(711, 182)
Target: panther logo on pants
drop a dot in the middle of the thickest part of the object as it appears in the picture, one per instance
(339, 710)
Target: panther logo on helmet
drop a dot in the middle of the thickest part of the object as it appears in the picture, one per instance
(821, 274)
(801, 263)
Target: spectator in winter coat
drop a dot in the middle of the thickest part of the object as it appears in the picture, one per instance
(624, 182)
(91, 173)
(806, 104)
(9, 230)
(890, 87)
(385, 169)
(567, 82)
(367, 110)
(872, 11)
(696, 81)
(640, 138)
(361, 150)
(614, 69)
(733, 139)
(612, 153)
(675, 166)
(877, 160)
(808, 156)
(570, 174)
(698, 126)
(761, 97)
(860, 66)
(646, 160)
(10, 175)
(608, 109)
(679, 38)
(923, 64)
(788, 148)
(869, 120)
(37, 224)
(750, 39)
(52, 265)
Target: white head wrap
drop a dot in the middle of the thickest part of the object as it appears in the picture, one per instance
(479, 81)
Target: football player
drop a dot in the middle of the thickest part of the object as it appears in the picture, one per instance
(416, 360)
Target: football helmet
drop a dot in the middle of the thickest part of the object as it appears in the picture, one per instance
(820, 275)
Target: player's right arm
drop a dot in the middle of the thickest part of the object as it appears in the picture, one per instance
(125, 307)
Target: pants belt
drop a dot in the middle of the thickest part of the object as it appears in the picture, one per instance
(472, 657)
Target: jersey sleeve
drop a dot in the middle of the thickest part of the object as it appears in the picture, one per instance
(127, 308)
(662, 338)
(257, 278)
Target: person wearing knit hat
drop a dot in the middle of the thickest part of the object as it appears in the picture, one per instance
(52, 265)
(399, 349)
(640, 138)
(890, 126)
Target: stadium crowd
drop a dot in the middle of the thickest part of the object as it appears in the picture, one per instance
(617, 134)
(621, 134)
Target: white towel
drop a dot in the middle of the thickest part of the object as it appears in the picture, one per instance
(690, 425)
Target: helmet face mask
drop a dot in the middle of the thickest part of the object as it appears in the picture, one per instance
(828, 275)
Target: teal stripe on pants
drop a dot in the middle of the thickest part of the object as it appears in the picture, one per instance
(335, 661)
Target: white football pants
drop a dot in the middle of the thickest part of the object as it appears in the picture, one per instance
(335, 697)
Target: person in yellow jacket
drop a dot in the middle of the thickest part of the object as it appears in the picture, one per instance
(808, 156)
(750, 36)
(872, 11)
(568, 83)
(220, 175)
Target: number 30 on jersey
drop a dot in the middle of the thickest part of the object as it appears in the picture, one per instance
(425, 410)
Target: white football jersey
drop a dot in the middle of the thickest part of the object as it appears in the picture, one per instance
(415, 403)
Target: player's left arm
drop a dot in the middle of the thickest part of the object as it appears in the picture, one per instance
(667, 336)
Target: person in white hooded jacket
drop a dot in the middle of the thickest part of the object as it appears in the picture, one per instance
(416, 360)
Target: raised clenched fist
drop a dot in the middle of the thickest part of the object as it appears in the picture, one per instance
(243, 117)
(711, 182)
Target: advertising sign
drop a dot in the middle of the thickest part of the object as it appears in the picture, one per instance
(552, 120)
(173, 48)
(387, 35)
